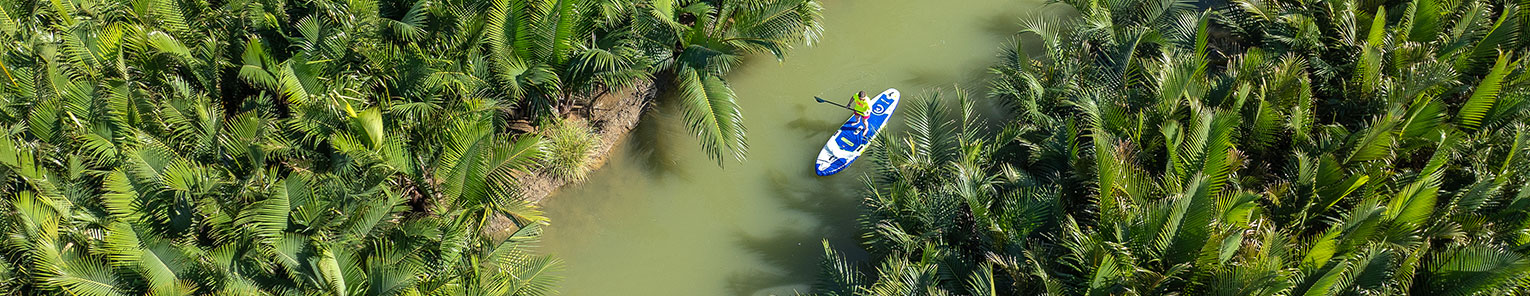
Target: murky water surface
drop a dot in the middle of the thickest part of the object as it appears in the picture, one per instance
(662, 219)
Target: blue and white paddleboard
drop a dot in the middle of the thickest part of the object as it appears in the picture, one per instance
(847, 145)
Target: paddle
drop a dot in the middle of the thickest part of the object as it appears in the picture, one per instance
(847, 124)
(821, 100)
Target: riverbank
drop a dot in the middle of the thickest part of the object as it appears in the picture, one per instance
(612, 116)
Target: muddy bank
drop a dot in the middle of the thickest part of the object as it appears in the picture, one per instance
(612, 116)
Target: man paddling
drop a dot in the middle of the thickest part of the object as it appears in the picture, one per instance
(861, 108)
(857, 134)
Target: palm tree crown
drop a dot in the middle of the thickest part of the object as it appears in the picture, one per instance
(1246, 148)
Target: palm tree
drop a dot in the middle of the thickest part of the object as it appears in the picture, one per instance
(148, 165)
(555, 51)
(700, 40)
(311, 147)
(1257, 148)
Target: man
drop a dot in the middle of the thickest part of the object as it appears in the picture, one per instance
(861, 106)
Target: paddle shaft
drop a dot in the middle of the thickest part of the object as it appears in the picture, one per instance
(821, 100)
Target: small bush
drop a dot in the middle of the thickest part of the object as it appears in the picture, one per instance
(570, 145)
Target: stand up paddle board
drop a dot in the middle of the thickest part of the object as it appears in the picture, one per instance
(848, 144)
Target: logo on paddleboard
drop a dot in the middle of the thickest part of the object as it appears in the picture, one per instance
(878, 109)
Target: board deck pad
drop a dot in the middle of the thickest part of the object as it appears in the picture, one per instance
(846, 145)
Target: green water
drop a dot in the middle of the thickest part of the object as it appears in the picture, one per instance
(662, 219)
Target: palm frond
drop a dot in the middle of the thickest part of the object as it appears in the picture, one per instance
(1484, 96)
(712, 114)
(1472, 269)
(839, 277)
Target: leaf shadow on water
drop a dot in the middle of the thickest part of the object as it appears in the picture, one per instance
(652, 145)
(794, 253)
(1003, 27)
(1005, 23)
(925, 78)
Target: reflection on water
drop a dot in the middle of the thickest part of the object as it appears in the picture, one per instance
(662, 219)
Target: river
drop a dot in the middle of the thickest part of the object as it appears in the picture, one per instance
(662, 219)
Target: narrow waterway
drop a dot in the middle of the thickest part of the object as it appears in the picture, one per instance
(662, 219)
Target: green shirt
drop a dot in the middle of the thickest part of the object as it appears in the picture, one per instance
(860, 105)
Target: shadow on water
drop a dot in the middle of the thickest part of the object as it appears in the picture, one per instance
(930, 78)
(788, 253)
(833, 205)
(813, 128)
(653, 149)
(1005, 24)
(975, 74)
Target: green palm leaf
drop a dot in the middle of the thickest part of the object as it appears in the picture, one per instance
(1473, 269)
(712, 114)
(171, 16)
(1375, 142)
(266, 220)
(932, 137)
(1425, 22)
(412, 26)
(775, 25)
(1424, 116)
(7, 22)
(981, 283)
(1502, 34)
(120, 199)
(328, 270)
(1484, 96)
(20, 158)
(1414, 203)
(86, 277)
(568, 23)
(534, 276)
(1369, 66)
(169, 45)
(839, 277)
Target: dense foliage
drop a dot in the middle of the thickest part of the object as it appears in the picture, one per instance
(319, 147)
(1247, 148)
